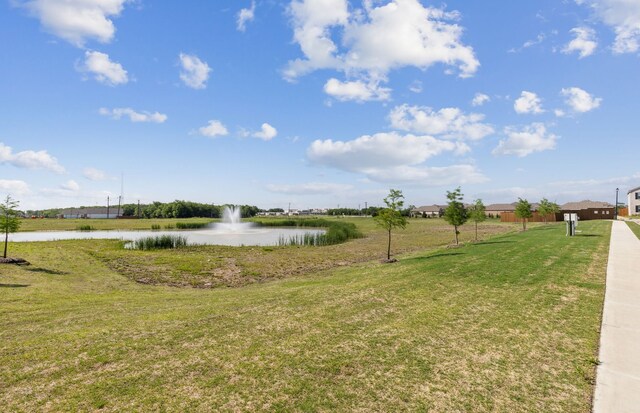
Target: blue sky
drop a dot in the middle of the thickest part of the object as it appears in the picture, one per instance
(318, 103)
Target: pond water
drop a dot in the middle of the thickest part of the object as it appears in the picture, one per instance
(218, 235)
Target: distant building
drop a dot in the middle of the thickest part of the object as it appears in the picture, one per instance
(90, 213)
(588, 210)
(429, 211)
(633, 201)
(496, 210)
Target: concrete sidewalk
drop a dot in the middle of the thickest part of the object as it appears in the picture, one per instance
(618, 375)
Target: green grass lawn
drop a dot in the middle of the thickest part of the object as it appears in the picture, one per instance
(506, 325)
(634, 227)
(51, 224)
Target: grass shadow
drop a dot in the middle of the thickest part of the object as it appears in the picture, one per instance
(13, 285)
(428, 257)
(492, 242)
(47, 271)
(588, 235)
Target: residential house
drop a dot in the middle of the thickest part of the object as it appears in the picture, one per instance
(430, 211)
(633, 201)
(588, 210)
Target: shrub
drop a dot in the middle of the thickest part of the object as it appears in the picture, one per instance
(85, 228)
(155, 227)
(160, 242)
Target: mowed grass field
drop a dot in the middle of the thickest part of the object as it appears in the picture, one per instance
(510, 324)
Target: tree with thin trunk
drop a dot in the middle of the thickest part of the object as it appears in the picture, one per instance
(9, 219)
(546, 208)
(477, 213)
(391, 216)
(523, 211)
(456, 213)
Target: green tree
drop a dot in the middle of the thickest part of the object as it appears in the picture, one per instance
(9, 219)
(523, 211)
(455, 213)
(477, 213)
(391, 216)
(547, 207)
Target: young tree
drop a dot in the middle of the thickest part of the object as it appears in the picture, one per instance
(523, 211)
(477, 213)
(455, 214)
(547, 207)
(391, 216)
(9, 221)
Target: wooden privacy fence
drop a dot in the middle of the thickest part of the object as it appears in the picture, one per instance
(511, 217)
(623, 212)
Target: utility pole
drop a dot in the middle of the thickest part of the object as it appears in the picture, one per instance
(119, 201)
(107, 207)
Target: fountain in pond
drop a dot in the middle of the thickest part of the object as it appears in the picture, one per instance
(231, 220)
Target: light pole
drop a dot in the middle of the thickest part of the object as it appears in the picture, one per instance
(616, 214)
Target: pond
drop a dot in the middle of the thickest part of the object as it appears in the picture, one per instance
(218, 235)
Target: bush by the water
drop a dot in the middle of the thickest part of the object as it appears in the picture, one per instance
(85, 228)
(191, 225)
(337, 232)
(155, 227)
(160, 242)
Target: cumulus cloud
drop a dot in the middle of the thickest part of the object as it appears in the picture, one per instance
(266, 133)
(623, 16)
(580, 101)
(450, 123)
(214, 128)
(94, 174)
(584, 42)
(311, 188)
(195, 72)
(480, 99)
(77, 20)
(392, 157)
(70, 185)
(525, 141)
(13, 186)
(29, 159)
(528, 102)
(144, 116)
(103, 69)
(358, 90)
(244, 16)
(375, 39)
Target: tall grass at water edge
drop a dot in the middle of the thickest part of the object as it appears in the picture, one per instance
(160, 242)
(336, 233)
(191, 225)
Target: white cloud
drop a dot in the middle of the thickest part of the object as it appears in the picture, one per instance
(356, 90)
(214, 128)
(580, 101)
(376, 39)
(77, 20)
(528, 102)
(266, 133)
(29, 159)
(529, 43)
(94, 174)
(480, 99)
(450, 123)
(195, 72)
(14, 187)
(391, 157)
(103, 69)
(310, 188)
(624, 17)
(244, 16)
(525, 141)
(584, 42)
(144, 116)
(70, 185)
(416, 86)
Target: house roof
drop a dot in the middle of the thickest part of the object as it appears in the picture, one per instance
(428, 208)
(586, 204)
(633, 190)
(501, 207)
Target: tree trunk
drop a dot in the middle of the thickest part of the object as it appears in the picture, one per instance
(389, 246)
(524, 224)
(455, 227)
(6, 240)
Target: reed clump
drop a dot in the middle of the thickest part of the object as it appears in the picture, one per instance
(160, 242)
(336, 232)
